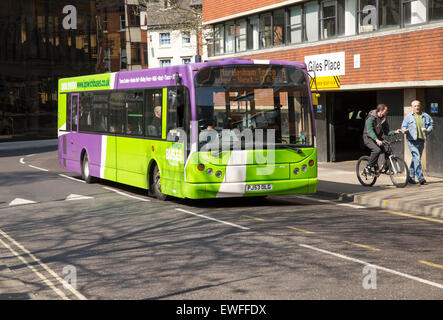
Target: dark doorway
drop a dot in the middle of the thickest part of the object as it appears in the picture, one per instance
(348, 117)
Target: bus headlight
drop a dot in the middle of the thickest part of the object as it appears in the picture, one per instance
(296, 171)
(209, 171)
(304, 167)
(201, 167)
(218, 174)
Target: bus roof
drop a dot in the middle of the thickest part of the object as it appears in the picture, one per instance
(155, 77)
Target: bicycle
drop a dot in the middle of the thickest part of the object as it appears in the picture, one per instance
(393, 166)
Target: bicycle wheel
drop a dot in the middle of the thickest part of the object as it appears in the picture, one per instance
(365, 179)
(398, 172)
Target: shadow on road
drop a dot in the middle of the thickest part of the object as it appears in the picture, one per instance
(26, 151)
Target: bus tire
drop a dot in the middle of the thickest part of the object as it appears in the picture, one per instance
(156, 185)
(86, 173)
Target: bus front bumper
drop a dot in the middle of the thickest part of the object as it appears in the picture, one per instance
(239, 189)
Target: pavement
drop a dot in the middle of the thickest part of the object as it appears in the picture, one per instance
(338, 180)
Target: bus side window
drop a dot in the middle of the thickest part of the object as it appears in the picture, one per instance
(153, 113)
(74, 104)
(134, 113)
(100, 111)
(117, 111)
(84, 112)
(173, 103)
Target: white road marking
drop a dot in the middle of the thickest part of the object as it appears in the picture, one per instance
(42, 277)
(44, 266)
(73, 197)
(38, 168)
(213, 219)
(126, 195)
(20, 202)
(22, 161)
(356, 206)
(434, 284)
(71, 178)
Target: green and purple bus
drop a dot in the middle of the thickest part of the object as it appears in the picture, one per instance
(228, 128)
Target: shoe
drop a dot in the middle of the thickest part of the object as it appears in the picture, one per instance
(412, 181)
(423, 181)
(367, 171)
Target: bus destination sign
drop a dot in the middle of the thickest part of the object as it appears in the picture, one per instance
(247, 75)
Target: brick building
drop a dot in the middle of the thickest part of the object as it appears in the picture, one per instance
(379, 51)
(122, 35)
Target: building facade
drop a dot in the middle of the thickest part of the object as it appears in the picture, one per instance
(169, 47)
(173, 32)
(363, 52)
(42, 41)
(121, 29)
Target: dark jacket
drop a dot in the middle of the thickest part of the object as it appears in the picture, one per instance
(375, 126)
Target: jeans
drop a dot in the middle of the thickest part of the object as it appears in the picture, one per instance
(375, 151)
(416, 147)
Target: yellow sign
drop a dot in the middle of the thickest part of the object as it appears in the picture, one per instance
(332, 82)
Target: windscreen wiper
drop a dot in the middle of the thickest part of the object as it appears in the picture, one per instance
(289, 146)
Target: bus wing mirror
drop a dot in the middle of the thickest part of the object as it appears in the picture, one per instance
(315, 97)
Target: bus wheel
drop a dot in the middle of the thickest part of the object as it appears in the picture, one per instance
(156, 185)
(86, 174)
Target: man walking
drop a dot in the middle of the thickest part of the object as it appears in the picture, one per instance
(416, 125)
(375, 127)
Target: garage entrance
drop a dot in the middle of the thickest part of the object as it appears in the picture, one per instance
(347, 117)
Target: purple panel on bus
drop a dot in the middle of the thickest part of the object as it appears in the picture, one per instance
(91, 143)
(157, 77)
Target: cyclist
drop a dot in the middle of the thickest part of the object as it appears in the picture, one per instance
(376, 126)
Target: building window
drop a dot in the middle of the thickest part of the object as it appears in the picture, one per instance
(311, 21)
(367, 13)
(332, 21)
(265, 32)
(165, 39)
(135, 53)
(414, 12)
(240, 35)
(435, 10)
(186, 38)
(133, 15)
(122, 21)
(219, 39)
(105, 22)
(278, 27)
(252, 33)
(145, 53)
(388, 13)
(328, 22)
(123, 59)
(186, 60)
(165, 62)
(295, 26)
(230, 37)
(107, 60)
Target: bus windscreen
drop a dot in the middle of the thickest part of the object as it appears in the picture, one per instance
(255, 101)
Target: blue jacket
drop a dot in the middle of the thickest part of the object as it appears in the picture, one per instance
(411, 125)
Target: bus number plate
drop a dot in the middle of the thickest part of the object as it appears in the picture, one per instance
(259, 187)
